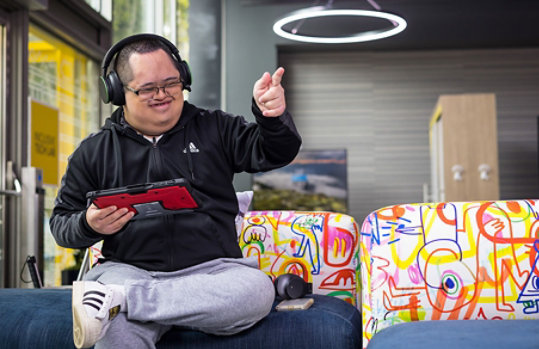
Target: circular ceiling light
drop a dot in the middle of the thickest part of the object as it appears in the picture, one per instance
(397, 25)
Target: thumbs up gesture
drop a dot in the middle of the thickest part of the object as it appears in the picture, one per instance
(269, 94)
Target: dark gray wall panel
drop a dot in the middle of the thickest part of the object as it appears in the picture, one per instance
(378, 105)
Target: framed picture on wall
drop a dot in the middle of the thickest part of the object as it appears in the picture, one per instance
(315, 181)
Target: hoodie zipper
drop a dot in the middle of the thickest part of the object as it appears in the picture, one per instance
(156, 161)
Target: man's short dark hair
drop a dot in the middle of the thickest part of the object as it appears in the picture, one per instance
(122, 66)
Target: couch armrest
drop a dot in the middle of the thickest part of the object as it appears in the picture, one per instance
(455, 260)
(322, 247)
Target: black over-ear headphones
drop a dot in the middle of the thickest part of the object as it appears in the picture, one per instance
(290, 286)
(111, 88)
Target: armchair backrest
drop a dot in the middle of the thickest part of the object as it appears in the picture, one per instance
(321, 247)
(455, 260)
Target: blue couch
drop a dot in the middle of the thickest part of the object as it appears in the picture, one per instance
(41, 319)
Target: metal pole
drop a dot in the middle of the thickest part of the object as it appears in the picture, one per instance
(30, 241)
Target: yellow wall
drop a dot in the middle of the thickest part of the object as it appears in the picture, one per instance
(62, 78)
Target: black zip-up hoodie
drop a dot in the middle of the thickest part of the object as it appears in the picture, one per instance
(204, 147)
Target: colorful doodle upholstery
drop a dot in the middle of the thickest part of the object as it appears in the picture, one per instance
(321, 247)
(443, 261)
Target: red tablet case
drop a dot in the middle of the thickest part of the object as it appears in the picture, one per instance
(149, 199)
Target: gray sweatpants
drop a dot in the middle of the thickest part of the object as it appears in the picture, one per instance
(222, 296)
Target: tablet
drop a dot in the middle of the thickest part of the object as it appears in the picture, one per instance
(148, 199)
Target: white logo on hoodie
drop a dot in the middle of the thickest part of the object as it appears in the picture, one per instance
(192, 148)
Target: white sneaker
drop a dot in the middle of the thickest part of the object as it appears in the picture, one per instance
(94, 305)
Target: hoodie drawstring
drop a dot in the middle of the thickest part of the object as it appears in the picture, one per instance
(188, 152)
(118, 156)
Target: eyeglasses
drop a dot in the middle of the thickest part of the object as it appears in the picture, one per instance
(150, 92)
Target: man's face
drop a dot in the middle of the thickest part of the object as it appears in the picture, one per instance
(157, 113)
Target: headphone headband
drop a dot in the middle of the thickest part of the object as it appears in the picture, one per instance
(111, 88)
(117, 47)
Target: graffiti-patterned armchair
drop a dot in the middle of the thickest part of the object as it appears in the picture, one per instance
(451, 261)
(320, 247)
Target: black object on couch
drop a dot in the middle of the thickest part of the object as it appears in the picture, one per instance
(41, 319)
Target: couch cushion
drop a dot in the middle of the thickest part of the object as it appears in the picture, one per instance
(462, 334)
(32, 318)
(41, 319)
(329, 323)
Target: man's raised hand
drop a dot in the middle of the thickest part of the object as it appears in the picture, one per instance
(269, 94)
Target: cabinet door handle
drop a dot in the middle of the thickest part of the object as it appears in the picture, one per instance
(457, 170)
(484, 170)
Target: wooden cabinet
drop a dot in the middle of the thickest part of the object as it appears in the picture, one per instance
(464, 148)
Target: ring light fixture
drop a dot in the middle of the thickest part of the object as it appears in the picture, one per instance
(398, 24)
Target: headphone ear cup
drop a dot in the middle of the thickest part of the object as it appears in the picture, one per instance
(185, 74)
(280, 285)
(290, 286)
(104, 89)
(116, 88)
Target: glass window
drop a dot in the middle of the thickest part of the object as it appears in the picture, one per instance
(130, 17)
(163, 17)
(104, 7)
(64, 79)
